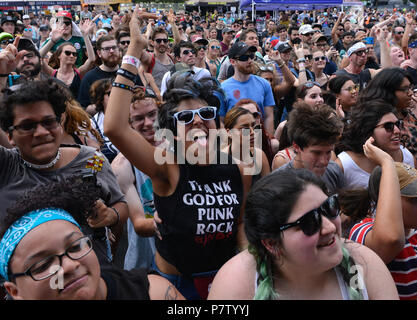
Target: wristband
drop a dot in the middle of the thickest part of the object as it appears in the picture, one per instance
(304, 70)
(118, 217)
(301, 60)
(131, 60)
(123, 86)
(126, 74)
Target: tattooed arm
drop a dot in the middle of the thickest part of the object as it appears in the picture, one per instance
(161, 289)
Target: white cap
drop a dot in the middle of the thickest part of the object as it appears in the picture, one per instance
(356, 47)
(26, 17)
(305, 28)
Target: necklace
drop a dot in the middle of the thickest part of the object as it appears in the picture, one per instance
(43, 166)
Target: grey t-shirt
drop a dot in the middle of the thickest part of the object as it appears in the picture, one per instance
(332, 177)
(16, 179)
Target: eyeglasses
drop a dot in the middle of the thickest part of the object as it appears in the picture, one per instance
(246, 57)
(389, 126)
(310, 223)
(322, 58)
(201, 48)
(353, 89)
(187, 52)
(113, 48)
(361, 52)
(405, 89)
(150, 115)
(68, 53)
(215, 47)
(187, 116)
(45, 268)
(30, 127)
(161, 40)
(123, 43)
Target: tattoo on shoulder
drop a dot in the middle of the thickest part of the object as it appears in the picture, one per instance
(171, 293)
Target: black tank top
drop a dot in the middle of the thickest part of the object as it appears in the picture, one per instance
(199, 220)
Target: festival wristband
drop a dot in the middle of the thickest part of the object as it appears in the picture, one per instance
(126, 74)
(123, 86)
(131, 60)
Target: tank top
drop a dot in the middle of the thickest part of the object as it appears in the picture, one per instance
(199, 220)
(356, 177)
(159, 70)
(342, 285)
(75, 84)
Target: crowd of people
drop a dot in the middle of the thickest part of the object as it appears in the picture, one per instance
(176, 155)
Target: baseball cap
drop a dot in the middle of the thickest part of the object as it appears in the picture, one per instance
(356, 47)
(27, 44)
(226, 30)
(407, 177)
(8, 19)
(5, 35)
(239, 49)
(26, 16)
(305, 28)
(319, 36)
(65, 14)
(106, 25)
(43, 27)
(284, 47)
(197, 39)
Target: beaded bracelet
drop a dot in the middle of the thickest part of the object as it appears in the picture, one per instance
(123, 86)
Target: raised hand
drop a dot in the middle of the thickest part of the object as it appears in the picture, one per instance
(86, 26)
(10, 57)
(374, 153)
(136, 36)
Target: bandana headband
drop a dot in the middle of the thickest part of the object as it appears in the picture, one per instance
(356, 47)
(21, 227)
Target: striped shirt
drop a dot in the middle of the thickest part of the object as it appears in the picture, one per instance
(403, 268)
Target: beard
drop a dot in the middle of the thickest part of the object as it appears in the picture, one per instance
(29, 72)
(111, 61)
(246, 69)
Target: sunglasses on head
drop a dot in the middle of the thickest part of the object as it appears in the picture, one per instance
(187, 116)
(186, 52)
(246, 57)
(322, 58)
(266, 67)
(389, 126)
(161, 40)
(310, 223)
(68, 53)
(311, 84)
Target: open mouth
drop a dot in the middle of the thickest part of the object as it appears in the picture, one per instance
(200, 137)
(327, 244)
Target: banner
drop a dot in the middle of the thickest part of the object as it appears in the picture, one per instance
(104, 2)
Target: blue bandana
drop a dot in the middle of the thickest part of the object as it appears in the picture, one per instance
(413, 45)
(21, 227)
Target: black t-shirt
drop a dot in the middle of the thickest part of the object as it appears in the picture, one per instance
(413, 74)
(92, 76)
(362, 78)
(199, 220)
(126, 285)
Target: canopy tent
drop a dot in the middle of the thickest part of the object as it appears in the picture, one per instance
(288, 4)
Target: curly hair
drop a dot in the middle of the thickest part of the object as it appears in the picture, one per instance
(74, 194)
(31, 92)
(98, 90)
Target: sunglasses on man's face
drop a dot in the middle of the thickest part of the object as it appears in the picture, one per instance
(158, 41)
(399, 32)
(246, 57)
(124, 43)
(68, 53)
(202, 48)
(187, 116)
(6, 42)
(187, 52)
(322, 58)
(310, 223)
(389, 126)
(66, 22)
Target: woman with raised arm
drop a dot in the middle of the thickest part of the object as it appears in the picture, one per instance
(199, 201)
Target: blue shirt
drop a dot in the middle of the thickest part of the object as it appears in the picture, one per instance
(256, 88)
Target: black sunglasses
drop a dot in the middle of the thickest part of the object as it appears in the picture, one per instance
(30, 127)
(161, 40)
(322, 58)
(66, 22)
(123, 43)
(310, 223)
(186, 52)
(308, 56)
(389, 126)
(246, 57)
(7, 41)
(68, 53)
